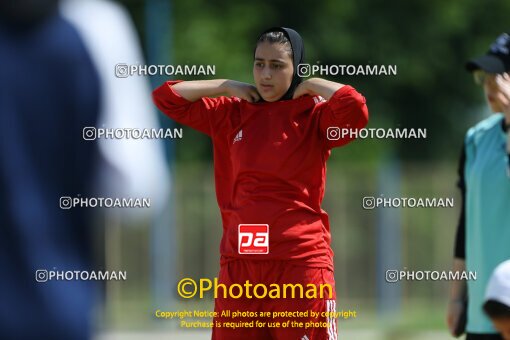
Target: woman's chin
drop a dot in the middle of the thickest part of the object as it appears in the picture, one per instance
(269, 99)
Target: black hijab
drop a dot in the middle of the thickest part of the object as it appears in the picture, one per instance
(298, 56)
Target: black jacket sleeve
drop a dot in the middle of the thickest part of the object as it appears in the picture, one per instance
(460, 239)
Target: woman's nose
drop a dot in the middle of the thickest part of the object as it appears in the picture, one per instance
(266, 73)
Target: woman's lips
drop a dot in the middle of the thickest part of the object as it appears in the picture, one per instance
(266, 87)
(490, 98)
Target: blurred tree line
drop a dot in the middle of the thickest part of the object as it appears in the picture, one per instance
(428, 40)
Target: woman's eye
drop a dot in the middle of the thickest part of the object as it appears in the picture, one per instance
(259, 65)
(277, 66)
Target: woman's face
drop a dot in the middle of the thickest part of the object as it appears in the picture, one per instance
(497, 91)
(272, 70)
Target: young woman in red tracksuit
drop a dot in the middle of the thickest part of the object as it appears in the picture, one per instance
(270, 150)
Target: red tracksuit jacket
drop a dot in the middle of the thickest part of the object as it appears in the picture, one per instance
(270, 165)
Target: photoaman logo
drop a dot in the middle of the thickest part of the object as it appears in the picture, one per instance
(253, 238)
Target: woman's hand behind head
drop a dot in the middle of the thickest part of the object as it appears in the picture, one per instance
(241, 90)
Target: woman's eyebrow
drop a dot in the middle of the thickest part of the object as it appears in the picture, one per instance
(271, 60)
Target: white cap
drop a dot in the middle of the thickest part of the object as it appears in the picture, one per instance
(498, 288)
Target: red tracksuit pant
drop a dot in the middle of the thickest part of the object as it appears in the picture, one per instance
(228, 326)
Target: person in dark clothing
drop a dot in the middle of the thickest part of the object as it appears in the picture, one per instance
(49, 90)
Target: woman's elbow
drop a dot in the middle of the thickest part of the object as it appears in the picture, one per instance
(361, 115)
